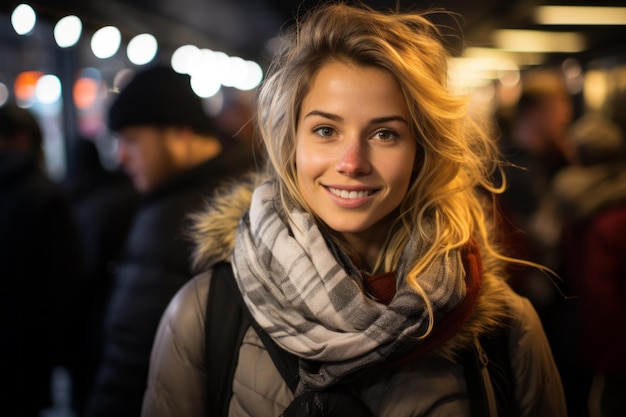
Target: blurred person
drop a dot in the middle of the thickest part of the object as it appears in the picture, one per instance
(103, 202)
(586, 209)
(236, 120)
(38, 265)
(536, 147)
(365, 252)
(616, 105)
(173, 153)
(543, 113)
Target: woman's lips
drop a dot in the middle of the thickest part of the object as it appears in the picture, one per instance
(350, 198)
(350, 194)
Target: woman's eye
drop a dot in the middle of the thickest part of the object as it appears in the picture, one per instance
(324, 131)
(385, 135)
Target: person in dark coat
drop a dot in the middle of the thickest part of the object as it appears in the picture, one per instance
(587, 208)
(38, 266)
(173, 153)
(103, 202)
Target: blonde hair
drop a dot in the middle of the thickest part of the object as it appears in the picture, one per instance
(444, 205)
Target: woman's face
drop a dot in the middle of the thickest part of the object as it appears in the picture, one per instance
(355, 153)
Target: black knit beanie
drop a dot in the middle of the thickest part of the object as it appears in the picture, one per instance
(159, 96)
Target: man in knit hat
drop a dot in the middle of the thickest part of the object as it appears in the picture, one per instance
(172, 151)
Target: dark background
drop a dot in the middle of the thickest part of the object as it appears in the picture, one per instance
(244, 27)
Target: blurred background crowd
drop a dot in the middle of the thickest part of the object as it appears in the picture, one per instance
(548, 78)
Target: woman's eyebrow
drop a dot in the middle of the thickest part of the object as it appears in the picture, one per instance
(389, 119)
(324, 114)
(338, 118)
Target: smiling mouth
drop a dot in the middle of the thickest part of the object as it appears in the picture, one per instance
(350, 194)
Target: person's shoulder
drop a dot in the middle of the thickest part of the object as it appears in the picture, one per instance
(177, 377)
(525, 324)
(189, 302)
(520, 308)
(183, 321)
(502, 305)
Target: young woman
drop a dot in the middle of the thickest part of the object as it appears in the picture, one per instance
(366, 249)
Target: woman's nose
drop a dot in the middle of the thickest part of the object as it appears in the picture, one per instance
(353, 158)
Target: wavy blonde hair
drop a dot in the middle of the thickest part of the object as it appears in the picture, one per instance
(445, 204)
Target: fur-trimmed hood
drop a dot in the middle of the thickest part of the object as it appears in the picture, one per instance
(214, 231)
(215, 227)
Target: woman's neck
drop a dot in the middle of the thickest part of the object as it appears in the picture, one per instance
(367, 245)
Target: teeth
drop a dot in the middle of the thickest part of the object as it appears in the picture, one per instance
(350, 194)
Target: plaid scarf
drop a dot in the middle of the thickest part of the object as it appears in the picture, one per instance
(308, 295)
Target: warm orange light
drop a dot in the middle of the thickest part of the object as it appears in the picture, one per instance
(85, 92)
(25, 84)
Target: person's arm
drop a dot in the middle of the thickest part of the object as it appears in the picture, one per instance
(538, 386)
(177, 381)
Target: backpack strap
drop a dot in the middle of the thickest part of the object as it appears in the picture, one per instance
(489, 376)
(227, 321)
(225, 327)
(497, 353)
(286, 363)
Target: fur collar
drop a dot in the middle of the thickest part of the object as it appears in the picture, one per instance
(214, 231)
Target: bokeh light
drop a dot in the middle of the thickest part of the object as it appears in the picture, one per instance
(24, 86)
(210, 67)
(253, 77)
(48, 89)
(142, 49)
(67, 31)
(86, 88)
(4, 94)
(23, 19)
(184, 58)
(106, 42)
(205, 85)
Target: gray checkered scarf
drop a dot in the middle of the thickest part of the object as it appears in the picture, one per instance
(308, 296)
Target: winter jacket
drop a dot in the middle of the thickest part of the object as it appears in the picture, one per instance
(154, 265)
(103, 204)
(39, 268)
(595, 257)
(594, 254)
(433, 385)
(589, 201)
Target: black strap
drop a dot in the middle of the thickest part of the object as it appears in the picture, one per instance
(285, 362)
(226, 324)
(492, 352)
(474, 381)
(498, 353)
(225, 328)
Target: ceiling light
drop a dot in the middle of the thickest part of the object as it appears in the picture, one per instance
(580, 15)
(106, 41)
(522, 59)
(184, 58)
(468, 72)
(538, 41)
(23, 19)
(142, 49)
(67, 31)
